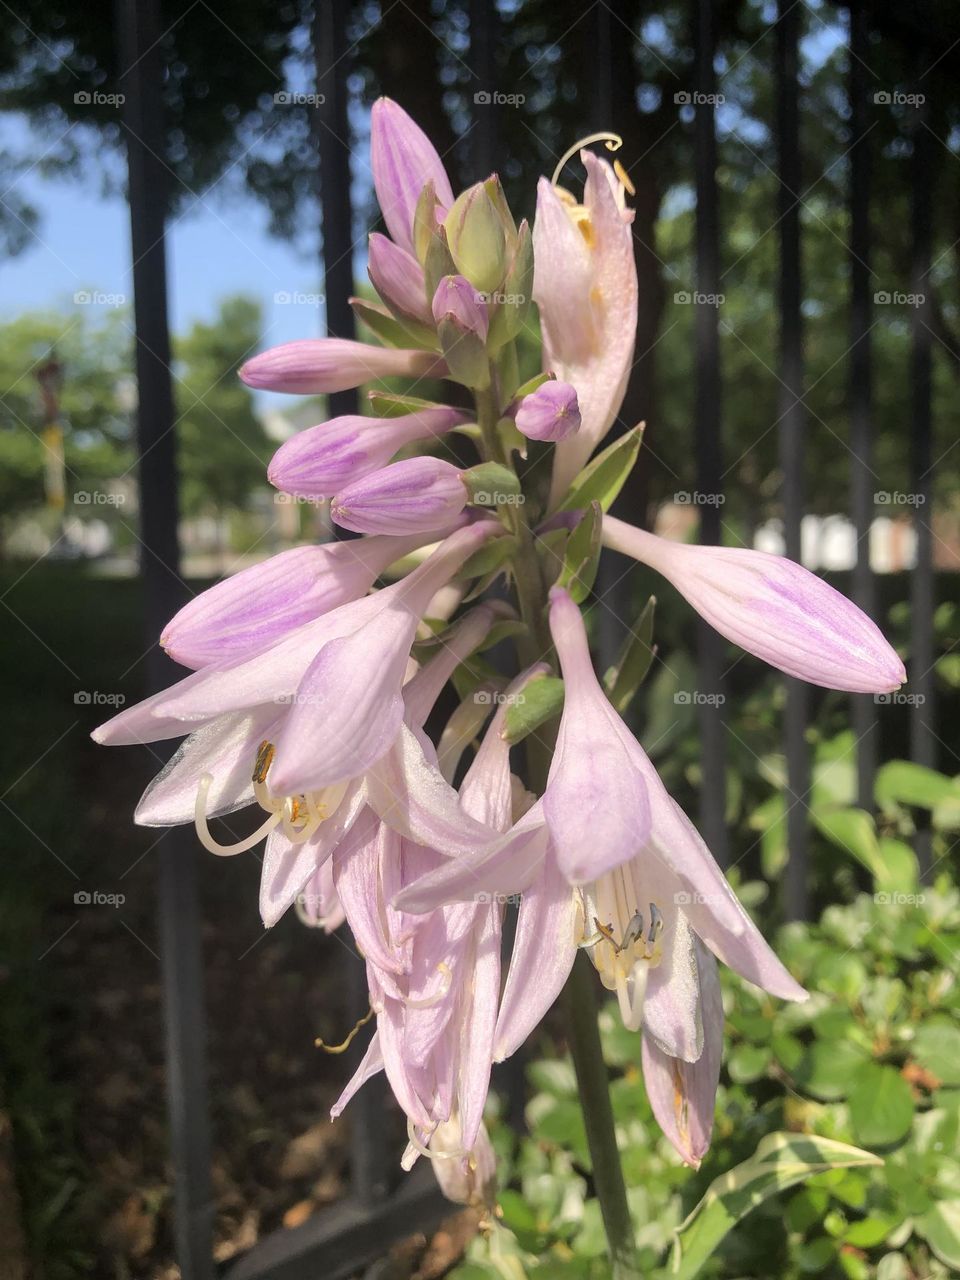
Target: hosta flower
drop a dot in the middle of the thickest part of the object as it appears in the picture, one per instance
(773, 608)
(318, 462)
(638, 902)
(311, 366)
(403, 160)
(418, 495)
(398, 278)
(585, 286)
(552, 412)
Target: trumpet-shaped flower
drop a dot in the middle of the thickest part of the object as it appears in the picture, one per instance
(403, 160)
(773, 608)
(398, 278)
(419, 495)
(313, 366)
(585, 285)
(250, 610)
(318, 462)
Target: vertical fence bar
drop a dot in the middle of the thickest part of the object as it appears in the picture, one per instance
(484, 87)
(332, 133)
(791, 429)
(140, 33)
(710, 647)
(860, 389)
(923, 741)
(369, 1161)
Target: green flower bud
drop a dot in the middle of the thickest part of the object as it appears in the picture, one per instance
(476, 238)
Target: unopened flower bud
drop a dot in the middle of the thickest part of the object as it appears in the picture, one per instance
(458, 298)
(552, 412)
(416, 496)
(476, 238)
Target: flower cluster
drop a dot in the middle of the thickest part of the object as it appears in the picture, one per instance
(309, 690)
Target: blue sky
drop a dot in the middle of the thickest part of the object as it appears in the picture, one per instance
(83, 243)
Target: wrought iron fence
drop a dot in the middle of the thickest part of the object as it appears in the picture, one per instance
(360, 1229)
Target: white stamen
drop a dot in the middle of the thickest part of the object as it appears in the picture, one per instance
(203, 831)
(612, 141)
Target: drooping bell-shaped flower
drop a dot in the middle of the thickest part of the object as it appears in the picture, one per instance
(257, 606)
(552, 412)
(403, 160)
(313, 366)
(585, 286)
(773, 608)
(318, 462)
(417, 496)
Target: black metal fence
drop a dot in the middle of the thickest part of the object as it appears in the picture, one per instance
(359, 1230)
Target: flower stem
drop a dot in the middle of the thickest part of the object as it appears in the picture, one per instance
(578, 996)
(594, 1087)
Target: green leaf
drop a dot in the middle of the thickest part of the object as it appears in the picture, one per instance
(628, 673)
(748, 1062)
(491, 557)
(390, 404)
(490, 483)
(827, 1068)
(854, 831)
(902, 782)
(936, 1046)
(396, 333)
(603, 478)
(881, 1106)
(780, 1161)
(940, 1227)
(582, 555)
(542, 699)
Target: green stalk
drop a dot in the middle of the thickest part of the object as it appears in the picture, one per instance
(578, 996)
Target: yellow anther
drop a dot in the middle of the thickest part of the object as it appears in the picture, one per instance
(265, 753)
(624, 178)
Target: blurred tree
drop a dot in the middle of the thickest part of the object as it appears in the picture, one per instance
(95, 399)
(221, 445)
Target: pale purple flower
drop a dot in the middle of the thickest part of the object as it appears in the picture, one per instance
(415, 496)
(585, 286)
(552, 412)
(317, 462)
(458, 300)
(311, 366)
(257, 606)
(398, 278)
(640, 909)
(773, 608)
(403, 160)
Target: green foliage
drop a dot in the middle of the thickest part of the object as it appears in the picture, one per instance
(870, 1060)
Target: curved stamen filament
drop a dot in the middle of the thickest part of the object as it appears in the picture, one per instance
(203, 830)
(612, 141)
(429, 1001)
(457, 1153)
(344, 1045)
